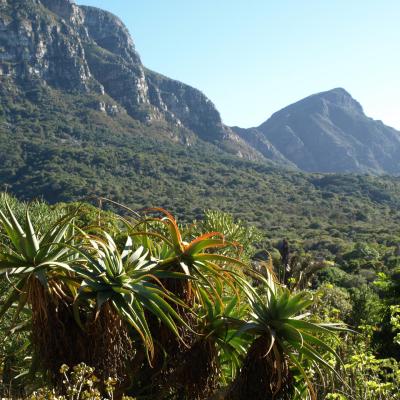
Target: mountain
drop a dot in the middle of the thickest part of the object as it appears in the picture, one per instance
(327, 132)
(61, 62)
(85, 51)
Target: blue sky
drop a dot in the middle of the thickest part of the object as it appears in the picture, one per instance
(253, 57)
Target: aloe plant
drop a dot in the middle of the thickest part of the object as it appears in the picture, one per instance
(38, 270)
(217, 350)
(187, 270)
(284, 341)
(199, 260)
(128, 282)
(173, 318)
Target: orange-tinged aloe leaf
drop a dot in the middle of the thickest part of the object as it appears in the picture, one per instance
(172, 226)
(206, 236)
(194, 248)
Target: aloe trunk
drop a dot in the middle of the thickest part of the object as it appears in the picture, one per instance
(265, 375)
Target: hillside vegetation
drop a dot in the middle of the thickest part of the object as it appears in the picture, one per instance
(46, 153)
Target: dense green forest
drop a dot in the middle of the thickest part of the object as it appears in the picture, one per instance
(270, 328)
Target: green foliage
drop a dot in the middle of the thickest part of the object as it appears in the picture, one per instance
(40, 211)
(395, 322)
(278, 318)
(122, 280)
(31, 256)
(333, 303)
(367, 308)
(139, 265)
(79, 384)
(115, 299)
(233, 231)
(368, 376)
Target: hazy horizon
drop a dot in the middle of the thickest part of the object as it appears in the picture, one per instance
(253, 59)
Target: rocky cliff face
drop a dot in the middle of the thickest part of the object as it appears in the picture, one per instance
(86, 49)
(180, 102)
(35, 45)
(65, 9)
(329, 132)
(114, 62)
(258, 140)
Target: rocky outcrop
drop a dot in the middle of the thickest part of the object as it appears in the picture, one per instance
(110, 33)
(114, 62)
(185, 105)
(65, 9)
(34, 45)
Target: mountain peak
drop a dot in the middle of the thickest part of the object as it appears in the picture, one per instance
(339, 97)
(322, 103)
(329, 132)
(338, 91)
